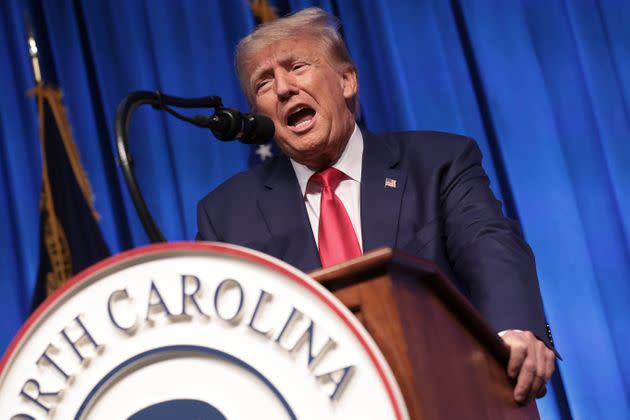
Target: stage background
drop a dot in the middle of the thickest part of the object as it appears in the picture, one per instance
(543, 86)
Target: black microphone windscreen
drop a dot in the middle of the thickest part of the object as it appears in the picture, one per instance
(260, 129)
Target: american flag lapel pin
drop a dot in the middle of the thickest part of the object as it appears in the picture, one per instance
(390, 183)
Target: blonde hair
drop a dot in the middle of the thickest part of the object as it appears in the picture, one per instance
(308, 23)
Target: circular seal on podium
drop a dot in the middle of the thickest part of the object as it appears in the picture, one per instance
(195, 330)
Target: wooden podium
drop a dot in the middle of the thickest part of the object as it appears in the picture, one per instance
(447, 360)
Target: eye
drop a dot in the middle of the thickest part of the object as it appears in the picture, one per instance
(261, 85)
(299, 66)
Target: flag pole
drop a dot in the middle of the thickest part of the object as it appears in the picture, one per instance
(33, 52)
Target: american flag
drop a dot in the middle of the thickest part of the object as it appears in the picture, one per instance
(264, 12)
(390, 183)
(260, 153)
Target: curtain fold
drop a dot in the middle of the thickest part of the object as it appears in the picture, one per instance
(20, 169)
(543, 87)
(557, 105)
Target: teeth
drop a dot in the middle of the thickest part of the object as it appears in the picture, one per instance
(303, 124)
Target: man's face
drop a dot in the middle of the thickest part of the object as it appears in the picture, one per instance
(306, 95)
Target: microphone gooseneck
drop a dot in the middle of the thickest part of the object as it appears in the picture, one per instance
(226, 124)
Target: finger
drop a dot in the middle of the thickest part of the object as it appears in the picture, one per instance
(541, 365)
(525, 380)
(550, 365)
(527, 374)
(518, 353)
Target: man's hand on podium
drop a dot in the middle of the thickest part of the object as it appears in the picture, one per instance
(531, 364)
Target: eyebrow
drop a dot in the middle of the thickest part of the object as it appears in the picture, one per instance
(264, 68)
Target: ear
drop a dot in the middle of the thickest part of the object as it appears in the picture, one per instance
(349, 82)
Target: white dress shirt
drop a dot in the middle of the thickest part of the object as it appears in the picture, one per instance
(348, 191)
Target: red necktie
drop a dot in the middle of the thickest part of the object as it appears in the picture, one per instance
(337, 239)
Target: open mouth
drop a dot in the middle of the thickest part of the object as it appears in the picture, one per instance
(301, 118)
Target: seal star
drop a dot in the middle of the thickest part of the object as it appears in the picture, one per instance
(264, 151)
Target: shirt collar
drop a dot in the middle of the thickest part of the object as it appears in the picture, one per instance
(349, 162)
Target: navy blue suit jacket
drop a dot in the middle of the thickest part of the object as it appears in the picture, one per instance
(442, 209)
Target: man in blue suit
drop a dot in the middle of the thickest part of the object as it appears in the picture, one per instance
(421, 192)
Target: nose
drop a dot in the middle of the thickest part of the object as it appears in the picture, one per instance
(285, 85)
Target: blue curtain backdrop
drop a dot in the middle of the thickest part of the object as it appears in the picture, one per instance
(543, 86)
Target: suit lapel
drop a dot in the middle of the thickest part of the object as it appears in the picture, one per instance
(382, 186)
(282, 207)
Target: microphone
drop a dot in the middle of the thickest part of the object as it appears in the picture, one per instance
(229, 124)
